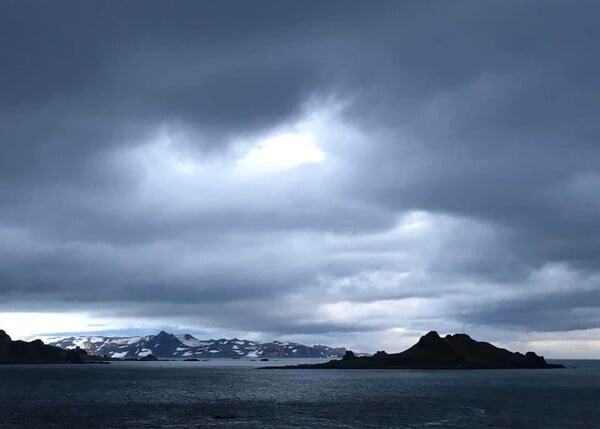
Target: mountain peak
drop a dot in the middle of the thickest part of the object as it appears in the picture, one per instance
(429, 339)
(4, 337)
(459, 338)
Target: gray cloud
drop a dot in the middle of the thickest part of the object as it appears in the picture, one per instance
(563, 311)
(461, 162)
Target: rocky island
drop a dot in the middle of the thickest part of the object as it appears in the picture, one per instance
(458, 351)
(23, 352)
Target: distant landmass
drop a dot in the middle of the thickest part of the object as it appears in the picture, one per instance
(458, 351)
(169, 346)
(23, 352)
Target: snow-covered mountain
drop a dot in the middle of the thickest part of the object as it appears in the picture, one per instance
(185, 346)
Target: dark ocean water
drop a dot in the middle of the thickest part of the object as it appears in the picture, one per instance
(233, 394)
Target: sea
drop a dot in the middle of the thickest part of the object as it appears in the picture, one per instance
(225, 393)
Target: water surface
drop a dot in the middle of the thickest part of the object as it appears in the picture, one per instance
(233, 393)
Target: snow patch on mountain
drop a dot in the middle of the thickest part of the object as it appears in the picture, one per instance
(180, 346)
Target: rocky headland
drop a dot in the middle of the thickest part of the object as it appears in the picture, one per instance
(458, 351)
(23, 352)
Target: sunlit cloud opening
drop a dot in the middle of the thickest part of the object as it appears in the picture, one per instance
(281, 152)
(26, 324)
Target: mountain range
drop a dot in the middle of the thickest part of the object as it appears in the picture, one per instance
(184, 346)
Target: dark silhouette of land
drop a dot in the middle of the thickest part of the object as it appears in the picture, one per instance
(17, 352)
(458, 351)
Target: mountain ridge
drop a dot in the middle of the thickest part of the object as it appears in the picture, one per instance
(185, 346)
(24, 352)
(458, 351)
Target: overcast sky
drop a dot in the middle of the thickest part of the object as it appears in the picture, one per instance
(331, 172)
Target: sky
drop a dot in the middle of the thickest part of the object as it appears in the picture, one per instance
(346, 173)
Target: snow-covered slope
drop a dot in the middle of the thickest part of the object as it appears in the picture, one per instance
(165, 345)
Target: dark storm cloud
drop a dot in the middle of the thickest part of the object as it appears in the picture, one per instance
(485, 112)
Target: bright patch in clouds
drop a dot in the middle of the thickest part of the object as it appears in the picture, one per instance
(39, 324)
(281, 152)
(174, 157)
(25, 324)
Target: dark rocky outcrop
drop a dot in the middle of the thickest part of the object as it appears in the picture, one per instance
(36, 352)
(458, 351)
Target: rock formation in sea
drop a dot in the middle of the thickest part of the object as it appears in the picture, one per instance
(458, 351)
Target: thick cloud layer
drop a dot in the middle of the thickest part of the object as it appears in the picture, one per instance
(338, 172)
